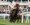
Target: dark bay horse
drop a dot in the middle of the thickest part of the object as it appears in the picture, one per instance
(13, 14)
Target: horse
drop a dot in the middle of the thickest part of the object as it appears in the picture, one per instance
(19, 16)
(13, 14)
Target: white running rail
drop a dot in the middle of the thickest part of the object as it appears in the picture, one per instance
(4, 15)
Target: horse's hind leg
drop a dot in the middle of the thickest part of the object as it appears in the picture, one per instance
(20, 18)
(17, 19)
(11, 20)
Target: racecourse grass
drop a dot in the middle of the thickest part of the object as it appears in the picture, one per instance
(6, 22)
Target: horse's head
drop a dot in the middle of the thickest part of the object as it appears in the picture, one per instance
(17, 6)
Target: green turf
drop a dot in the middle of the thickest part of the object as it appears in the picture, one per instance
(6, 22)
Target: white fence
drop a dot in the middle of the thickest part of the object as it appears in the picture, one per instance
(4, 15)
(27, 14)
